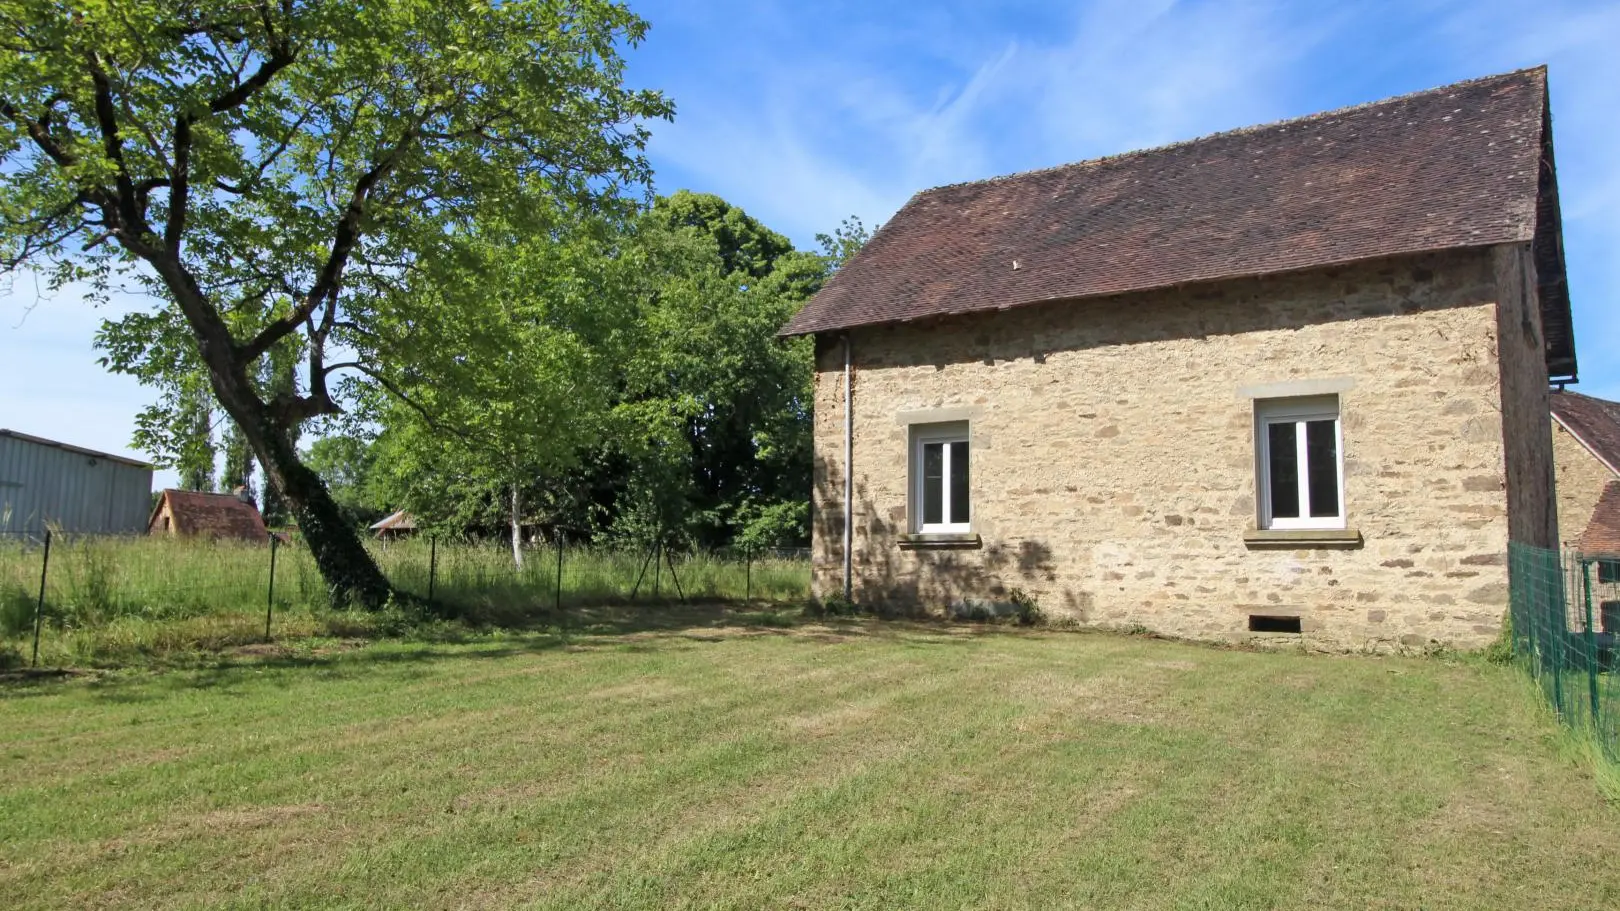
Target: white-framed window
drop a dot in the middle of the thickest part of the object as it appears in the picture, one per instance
(940, 498)
(1301, 462)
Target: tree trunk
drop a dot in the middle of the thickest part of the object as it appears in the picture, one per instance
(350, 574)
(517, 528)
(344, 563)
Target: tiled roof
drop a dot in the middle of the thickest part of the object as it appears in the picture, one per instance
(1595, 422)
(214, 515)
(1602, 536)
(1459, 166)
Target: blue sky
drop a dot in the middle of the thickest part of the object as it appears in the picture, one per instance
(804, 113)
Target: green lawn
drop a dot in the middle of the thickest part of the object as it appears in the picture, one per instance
(856, 765)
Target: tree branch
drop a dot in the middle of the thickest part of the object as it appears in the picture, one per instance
(113, 145)
(394, 390)
(344, 238)
(180, 188)
(281, 56)
(42, 137)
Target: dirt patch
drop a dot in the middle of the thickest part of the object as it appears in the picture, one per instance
(822, 724)
(639, 691)
(1173, 665)
(1059, 699)
(236, 818)
(262, 650)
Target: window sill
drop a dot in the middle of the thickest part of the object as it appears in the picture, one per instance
(941, 541)
(1302, 537)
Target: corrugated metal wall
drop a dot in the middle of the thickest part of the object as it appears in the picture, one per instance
(71, 491)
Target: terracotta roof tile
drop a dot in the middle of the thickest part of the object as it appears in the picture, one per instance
(1457, 166)
(1595, 422)
(1602, 535)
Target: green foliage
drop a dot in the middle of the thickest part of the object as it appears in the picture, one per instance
(1027, 609)
(844, 242)
(529, 333)
(276, 174)
(347, 464)
(238, 470)
(191, 440)
(725, 404)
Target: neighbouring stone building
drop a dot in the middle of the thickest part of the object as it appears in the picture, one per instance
(1288, 380)
(1586, 452)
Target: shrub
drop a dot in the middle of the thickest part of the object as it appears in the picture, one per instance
(1027, 611)
(834, 606)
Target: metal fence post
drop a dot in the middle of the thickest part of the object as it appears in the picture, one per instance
(748, 575)
(658, 568)
(39, 608)
(1591, 642)
(433, 564)
(270, 594)
(559, 571)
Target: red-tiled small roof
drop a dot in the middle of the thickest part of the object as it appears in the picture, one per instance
(1602, 535)
(1595, 422)
(214, 515)
(1467, 165)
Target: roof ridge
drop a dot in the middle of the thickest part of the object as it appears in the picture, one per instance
(1540, 69)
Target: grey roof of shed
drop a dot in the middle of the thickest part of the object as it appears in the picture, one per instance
(1465, 165)
(69, 447)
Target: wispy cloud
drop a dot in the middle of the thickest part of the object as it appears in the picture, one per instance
(856, 128)
(818, 115)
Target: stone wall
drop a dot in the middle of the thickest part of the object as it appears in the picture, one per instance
(1113, 463)
(1581, 479)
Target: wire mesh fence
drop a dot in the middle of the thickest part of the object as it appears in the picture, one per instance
(1566, 623)
(54, 584)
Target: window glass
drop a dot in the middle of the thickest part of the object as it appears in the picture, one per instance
(1284, 464)
(933, 483)
(1322, 467)
(959, 483)
(1608, 571)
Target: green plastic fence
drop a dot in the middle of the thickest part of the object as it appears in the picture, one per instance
(1566, 635)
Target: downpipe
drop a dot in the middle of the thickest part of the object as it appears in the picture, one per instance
(849, 475)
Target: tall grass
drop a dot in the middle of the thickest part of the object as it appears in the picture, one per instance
(126, 595)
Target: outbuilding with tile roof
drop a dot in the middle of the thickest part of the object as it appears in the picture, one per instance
(196, 514)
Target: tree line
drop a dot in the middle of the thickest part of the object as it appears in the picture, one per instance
(406, 256)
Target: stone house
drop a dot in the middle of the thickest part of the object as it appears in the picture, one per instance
(1290, 380)
(1586, 454)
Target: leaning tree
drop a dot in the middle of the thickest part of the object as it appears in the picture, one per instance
(271, 169)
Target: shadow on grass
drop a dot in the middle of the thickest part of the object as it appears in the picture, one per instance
(639, 628)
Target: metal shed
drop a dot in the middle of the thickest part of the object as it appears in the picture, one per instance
(70, 488)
